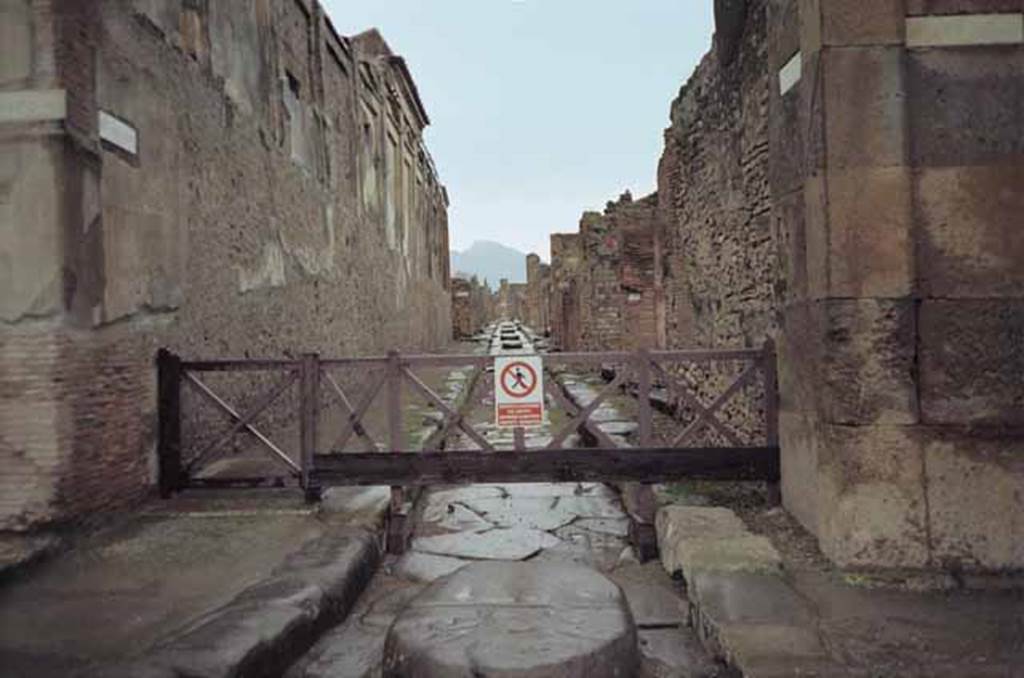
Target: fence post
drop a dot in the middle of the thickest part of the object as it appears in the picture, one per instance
(168, 370)
(309, 411)
(643, 396)
(771, 411)
(396, 527)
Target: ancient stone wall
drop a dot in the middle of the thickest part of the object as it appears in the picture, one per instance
(538, 294)
(566, 269)
(472, 307)
(511, 300)
(845, 177)
(223, 179)
(896, 160)
(722, 269)
(607, 278)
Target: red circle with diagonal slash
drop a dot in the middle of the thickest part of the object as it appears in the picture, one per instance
(531, 378)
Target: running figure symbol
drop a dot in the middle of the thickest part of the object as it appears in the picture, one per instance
(520, 379)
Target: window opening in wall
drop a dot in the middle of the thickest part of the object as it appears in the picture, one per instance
(294, 86)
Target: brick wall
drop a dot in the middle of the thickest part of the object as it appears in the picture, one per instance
(235, 227)
(604, 288)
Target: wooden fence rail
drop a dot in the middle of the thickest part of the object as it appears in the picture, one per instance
(650, 461)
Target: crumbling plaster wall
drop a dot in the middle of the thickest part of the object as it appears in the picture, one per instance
(231, 226)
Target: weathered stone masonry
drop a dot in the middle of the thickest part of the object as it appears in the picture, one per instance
(607, 279)
(897, 166)
(538, 294)
(472, 306)
(846, 177)
(221, 178)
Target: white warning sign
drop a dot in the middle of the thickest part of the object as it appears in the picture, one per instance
(519, 391)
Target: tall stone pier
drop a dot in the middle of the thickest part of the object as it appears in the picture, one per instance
(896, 170)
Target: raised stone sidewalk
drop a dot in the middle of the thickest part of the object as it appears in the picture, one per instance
(206, 585)
(765, 620)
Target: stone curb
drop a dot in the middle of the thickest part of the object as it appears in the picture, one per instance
(20, 553)
(270, 624)
(745, 613)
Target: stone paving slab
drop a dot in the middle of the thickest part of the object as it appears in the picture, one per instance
(603, 552)
(617, 527)
(425, 567)
(619, 428)
(457, 517)
(514, 543)
(539, 513)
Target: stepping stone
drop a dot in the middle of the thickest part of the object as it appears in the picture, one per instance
(515, 620)
(515, 543)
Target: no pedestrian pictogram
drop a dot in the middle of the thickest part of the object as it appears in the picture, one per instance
(519, 391)
(518, 379)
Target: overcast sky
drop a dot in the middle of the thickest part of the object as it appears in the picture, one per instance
(539, 109)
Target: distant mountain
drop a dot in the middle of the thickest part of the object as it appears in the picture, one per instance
(491, 261)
